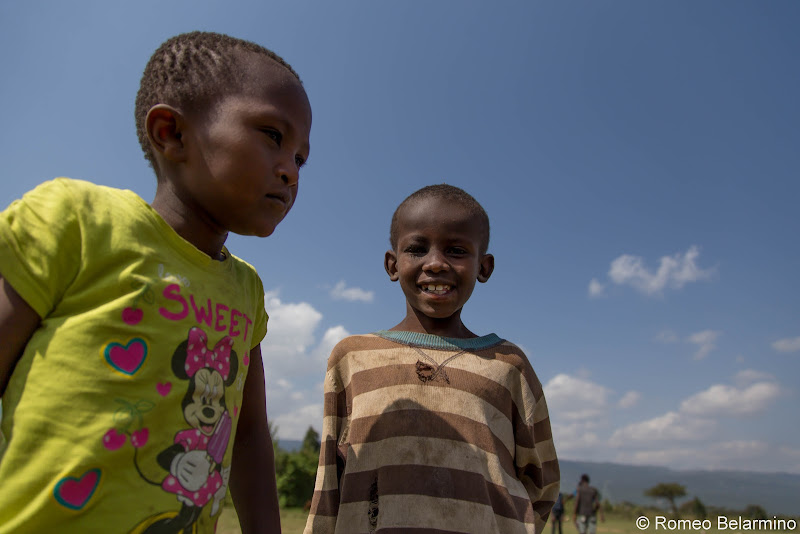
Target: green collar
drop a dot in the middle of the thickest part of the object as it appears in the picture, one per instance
(430, 341)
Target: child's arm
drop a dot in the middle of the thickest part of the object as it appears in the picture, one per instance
(536, 461)
(17, 324)
(325, 502)
(253, 469)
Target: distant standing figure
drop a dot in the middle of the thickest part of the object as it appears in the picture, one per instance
(587, 506)
(558, 513)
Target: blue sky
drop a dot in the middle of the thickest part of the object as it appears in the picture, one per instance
(639, 163)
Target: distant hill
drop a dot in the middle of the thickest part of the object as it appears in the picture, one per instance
(777, 493)
(290, 445)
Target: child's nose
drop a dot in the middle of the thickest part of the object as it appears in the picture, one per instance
(435, 262)
(288, 171)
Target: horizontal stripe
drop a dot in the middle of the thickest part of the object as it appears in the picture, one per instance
(542, 508)
(440, 400)
(351, 344)
(544, 452)
(435, 482)
(358, 353)
(325, 502)
(370, 380)
(387, 378)
(427, 424)
(327, 452)
(541, 431)
(434, 453)
(407, 512)
(317, 524)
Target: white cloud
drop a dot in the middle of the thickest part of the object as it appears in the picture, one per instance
(294, 365)
(575, 398)
(719, 455)
(575, 436)
(630, 399)
(342, 292)
(671, 426)
(789, 344)
(329, 340)
(748, 376)
(294, 424)
(724, 400)
(596, 289)
(705, 342)
(291, 326)
(673, 271)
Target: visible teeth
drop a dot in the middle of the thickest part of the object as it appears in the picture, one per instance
(438, 289)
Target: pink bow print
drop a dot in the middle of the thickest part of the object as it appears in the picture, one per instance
(198, 355)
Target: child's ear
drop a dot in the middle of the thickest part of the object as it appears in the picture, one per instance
(164, 125)
(390, 264)
(487, 268)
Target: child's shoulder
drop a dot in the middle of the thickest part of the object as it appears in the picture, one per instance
(77, 193)
(358, 342)
(515, 357)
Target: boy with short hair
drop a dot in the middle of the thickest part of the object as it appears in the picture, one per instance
(429, 427)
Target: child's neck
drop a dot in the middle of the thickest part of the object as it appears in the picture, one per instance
(197, 232)
(416, 321)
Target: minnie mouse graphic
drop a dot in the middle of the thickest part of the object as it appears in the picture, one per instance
(194, 461)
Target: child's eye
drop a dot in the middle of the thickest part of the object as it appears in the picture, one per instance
(415, 250)
(457, 250)
(275, 135)
(299, 161)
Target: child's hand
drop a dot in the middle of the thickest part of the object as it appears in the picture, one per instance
(191, 469)
(220, 493)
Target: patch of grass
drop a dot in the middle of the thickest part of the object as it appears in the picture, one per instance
(293, 521)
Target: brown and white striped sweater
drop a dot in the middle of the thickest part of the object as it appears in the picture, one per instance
(425, 434)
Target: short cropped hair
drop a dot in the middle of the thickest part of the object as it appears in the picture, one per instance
(193, 70)
(585, 478)
(449, 193)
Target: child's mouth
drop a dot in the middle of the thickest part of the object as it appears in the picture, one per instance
(436, 289)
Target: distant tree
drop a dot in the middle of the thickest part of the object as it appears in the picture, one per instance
(754, 511)
(695, 508)
(311, 441)
(273, 434)
(669, 491)
(297, 471)
(296, 480)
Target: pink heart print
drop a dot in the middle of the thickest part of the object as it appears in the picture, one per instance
(164, 388)
(127, 359)
(75, 493)
(113, 440)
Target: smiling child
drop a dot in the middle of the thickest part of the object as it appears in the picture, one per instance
(130, 366)
(429, 427)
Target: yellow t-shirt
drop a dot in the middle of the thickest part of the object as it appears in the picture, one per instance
(121, 413)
